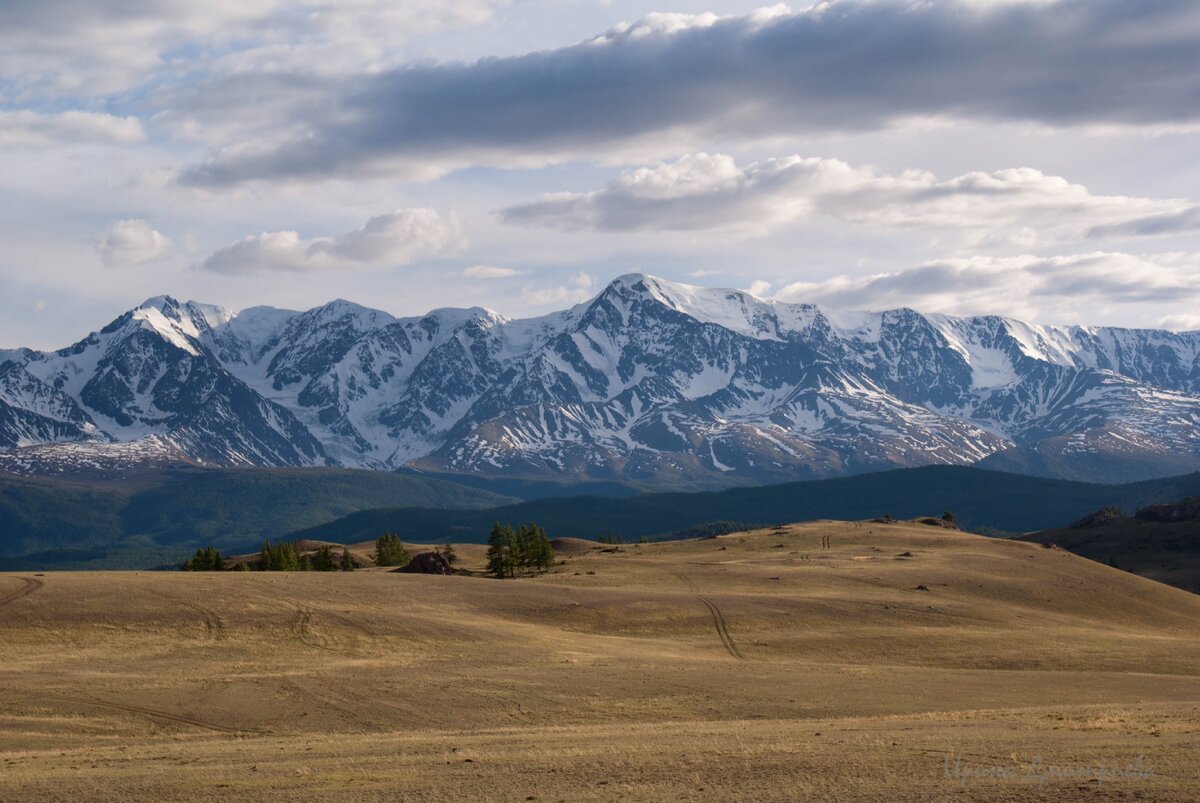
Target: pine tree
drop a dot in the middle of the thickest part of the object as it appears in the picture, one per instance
(523, 551)
(541, 551)
(323, 561)
(390, 551)
(287, 558)
(207, 559)
(502, 546)
(449, 554)
(306, 563)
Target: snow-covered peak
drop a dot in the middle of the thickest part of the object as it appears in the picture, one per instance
(179, 324)
(454, 317)
(735, 310)
(363, 318)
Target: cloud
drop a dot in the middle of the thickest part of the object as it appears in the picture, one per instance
(676, 79)
(24, 127)
(92, 47)
(576, 289)
(395, 238)
(131, 242)
(759, 288)
(490, 272)
(1030, 287)
(1180, 323)
(700, 191)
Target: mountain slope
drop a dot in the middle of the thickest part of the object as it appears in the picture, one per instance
(155, 516)
(649, 382)
(1161, 541)
(980, 499)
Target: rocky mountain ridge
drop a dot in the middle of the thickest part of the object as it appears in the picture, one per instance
(650, 381)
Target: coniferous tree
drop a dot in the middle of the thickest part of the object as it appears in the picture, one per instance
(306, 563)
(502, 548)
(523, 547)
(207, 559)
(390, 551)
(541, 555)
(347, 562)
(449, 554)
(324, 561)
(289, 559)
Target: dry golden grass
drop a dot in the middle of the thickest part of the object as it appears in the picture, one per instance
(796, 663)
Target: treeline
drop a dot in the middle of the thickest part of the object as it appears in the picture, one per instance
(285, 557)
(205, 560)
(522, 550)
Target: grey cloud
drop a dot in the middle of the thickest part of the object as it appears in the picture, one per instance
(1185, 220)
(1033, 287)
(838, 66)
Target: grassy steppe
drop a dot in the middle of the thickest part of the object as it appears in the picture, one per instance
(827, 660)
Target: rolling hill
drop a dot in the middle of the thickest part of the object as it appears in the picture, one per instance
(1161, 542)
(820, 661)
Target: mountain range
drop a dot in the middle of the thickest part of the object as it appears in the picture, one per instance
(650, 382)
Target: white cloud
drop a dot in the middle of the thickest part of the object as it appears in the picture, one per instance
(702, 191)
(24, 127)
(576, 289)
(1180, 323)
(1080, 287)
(489, 272)
(131, 242)
(759, 288)
(92, 47)
(395, 238)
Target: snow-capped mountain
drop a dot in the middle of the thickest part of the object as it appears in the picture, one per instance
(649, 381)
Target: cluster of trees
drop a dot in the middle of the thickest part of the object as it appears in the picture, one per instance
(205, 560)
(287, 558)
(389, 551)
(521, 550)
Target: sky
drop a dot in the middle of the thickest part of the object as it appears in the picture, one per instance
(1038, 159)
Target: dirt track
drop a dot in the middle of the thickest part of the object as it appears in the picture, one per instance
(32, 584)
(722, 628)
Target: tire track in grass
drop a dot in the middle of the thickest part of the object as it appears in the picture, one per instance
(717, 616)
(722, 628)
(145, 712)
(31, 585)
